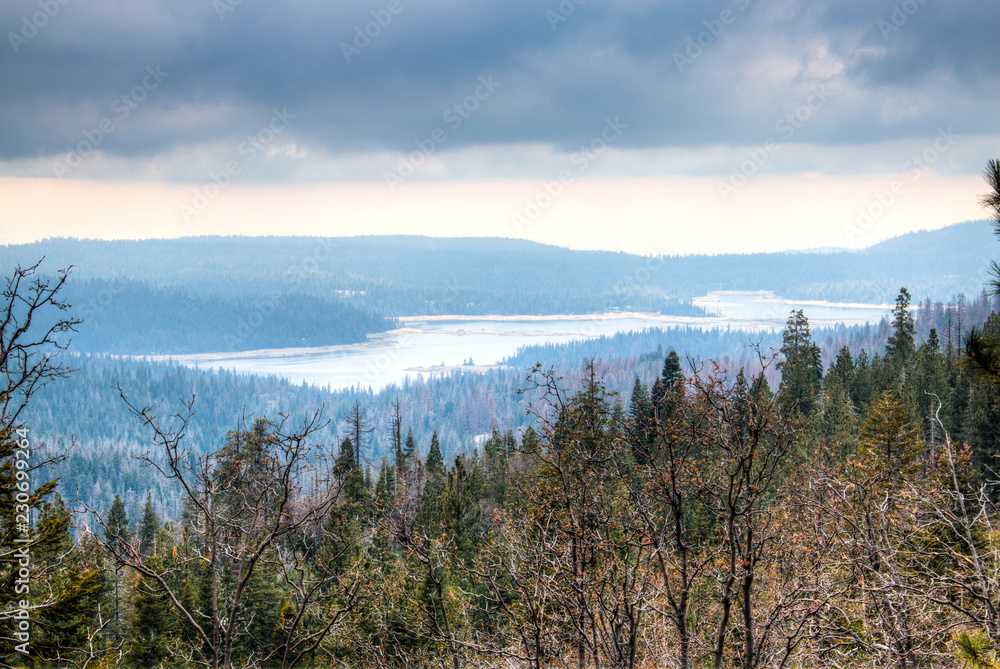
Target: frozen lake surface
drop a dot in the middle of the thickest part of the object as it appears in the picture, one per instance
(428, 345)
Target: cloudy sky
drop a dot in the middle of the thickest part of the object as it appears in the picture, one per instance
(670, 127)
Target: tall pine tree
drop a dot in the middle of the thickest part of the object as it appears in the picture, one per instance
(802, 368)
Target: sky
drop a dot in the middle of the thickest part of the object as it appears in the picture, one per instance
(636, 125)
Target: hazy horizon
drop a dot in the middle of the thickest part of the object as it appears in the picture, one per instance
(684, 128)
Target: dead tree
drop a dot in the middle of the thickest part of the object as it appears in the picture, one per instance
(249, 501)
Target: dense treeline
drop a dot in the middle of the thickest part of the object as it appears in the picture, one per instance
(400, 276)
(461, 409)
(132, 317)
(237, 294)
(840, 517)
(392, 276)
(830, 504)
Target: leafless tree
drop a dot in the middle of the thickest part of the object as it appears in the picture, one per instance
(28, 344)
(251, 512)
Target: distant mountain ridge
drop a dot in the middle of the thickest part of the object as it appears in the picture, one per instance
(345, 287)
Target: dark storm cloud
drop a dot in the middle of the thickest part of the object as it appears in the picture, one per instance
(895, 70)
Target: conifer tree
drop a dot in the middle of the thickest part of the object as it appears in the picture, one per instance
(640, 421)
(843, 367)
(148, 528)
(116, 533)
(666, 385)
(152, 623)
(982, 345)
(62, 626)
(890, 446)
(116, 538)
(901, 347)
(409, 446)
(435, 460)
(801, 370)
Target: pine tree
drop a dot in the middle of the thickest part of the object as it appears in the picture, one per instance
(116, 534)
(359, 429)
(153, 621)
(837, 426)
(384, 495)
(862, 385)
(802, 369)
(344, 464)
(982, 346)
(843, 367)
(435, 460)
(116, 538)
(667, 385)
(148, 528)
(399, 457)
(63, 591)
(901, 347)
(890, 445)
(640, 421)
(409, 446)
(931, 387)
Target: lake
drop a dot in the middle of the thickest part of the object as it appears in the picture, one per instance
(429, 345)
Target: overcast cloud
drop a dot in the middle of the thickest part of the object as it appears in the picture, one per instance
(694, 82)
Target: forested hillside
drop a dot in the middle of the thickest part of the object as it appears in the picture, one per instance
(460, 408)
(646, 513)
(659, 498)
(402, 276)
(133, 317)
(199, 295)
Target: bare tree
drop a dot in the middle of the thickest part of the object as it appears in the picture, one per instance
(359, 430)
(37, 555)
(251, 510)
(29, 345)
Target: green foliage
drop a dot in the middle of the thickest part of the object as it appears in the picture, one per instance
(149, 527)
(801, 369)
(890, 446)
(153, 622)
(116, 531)
(63, 589)
(641, 416)
(974, 650)
(901, 346)
(435, 460)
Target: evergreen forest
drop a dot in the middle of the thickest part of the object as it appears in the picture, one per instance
(665, 498)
